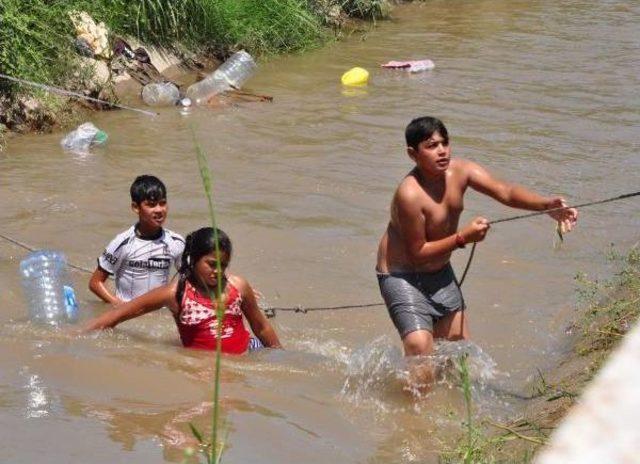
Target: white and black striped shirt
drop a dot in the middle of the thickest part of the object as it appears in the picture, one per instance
(139, 265)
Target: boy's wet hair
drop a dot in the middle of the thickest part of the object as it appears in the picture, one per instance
(197, 244)
(148, 188)
(421, 129)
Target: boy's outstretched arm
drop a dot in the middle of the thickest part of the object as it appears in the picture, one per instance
(519, 197)
(99, 288)
(151, 301)
(260, 325)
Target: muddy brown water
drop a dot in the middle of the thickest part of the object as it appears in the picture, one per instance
(544, 94)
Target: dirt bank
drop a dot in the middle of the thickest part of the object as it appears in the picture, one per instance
(609, 310)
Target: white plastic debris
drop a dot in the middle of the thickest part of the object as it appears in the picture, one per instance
(94, 35)
(85, 136)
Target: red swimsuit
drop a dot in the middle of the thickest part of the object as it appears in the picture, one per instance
(197, 322)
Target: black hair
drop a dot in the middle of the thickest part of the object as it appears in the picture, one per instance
(147, 188)
(197, 244)
(421, 129)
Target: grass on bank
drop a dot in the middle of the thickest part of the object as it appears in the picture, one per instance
(36, 37)
(611, 309)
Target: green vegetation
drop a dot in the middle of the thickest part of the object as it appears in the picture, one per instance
(37, 40)
(212, 450)
(612, 308)
(366, 9)
(36, 37)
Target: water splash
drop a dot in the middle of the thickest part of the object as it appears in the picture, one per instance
(378, 376)
(374, 372)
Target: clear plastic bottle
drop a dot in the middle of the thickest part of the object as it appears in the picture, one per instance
(160, 94)
(47, 288)
(233, 73)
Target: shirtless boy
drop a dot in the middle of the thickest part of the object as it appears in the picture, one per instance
(415, 276)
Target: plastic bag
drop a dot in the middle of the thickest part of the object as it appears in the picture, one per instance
(85, 136)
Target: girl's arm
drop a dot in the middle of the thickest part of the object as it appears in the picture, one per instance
(151, 301)
(260, 325)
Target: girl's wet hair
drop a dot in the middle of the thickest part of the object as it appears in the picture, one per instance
(422, 128)
(200, 243)
(197, 244)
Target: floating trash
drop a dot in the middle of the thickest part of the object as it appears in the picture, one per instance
(355, 76)
(85, 136)
(411, 66)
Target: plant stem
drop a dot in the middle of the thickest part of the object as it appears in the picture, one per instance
(514, 432)
(214, 455)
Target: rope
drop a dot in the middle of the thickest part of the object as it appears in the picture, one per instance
(271, 312)
(30, 248)
(466, 268)
(69, 93)
(582, 205)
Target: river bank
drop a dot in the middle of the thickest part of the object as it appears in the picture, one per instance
(608, 310)
(39, 43)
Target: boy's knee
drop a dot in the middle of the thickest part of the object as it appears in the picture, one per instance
(418, 343)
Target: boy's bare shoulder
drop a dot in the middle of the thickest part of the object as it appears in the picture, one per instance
(461, 164)
(462, 169)
(408, 188)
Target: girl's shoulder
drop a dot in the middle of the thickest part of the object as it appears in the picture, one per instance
(240, 283)
(171, 293)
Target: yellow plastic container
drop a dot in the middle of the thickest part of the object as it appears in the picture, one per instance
(355, 76)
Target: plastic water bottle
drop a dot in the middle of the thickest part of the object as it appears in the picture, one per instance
(83, 137)
(233, 73)
(47, 288)
(160, 94)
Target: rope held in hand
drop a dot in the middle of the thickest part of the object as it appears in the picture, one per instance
(560, 208)
(271, 312)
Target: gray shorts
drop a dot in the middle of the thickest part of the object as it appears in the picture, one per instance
(417, 300)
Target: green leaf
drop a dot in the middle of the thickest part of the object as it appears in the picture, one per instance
(196, 433)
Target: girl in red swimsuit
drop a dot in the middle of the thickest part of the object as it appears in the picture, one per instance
(190, 300)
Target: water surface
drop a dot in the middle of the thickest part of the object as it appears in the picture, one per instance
(544, 94)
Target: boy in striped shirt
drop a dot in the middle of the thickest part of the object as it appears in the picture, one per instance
(141, 257)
